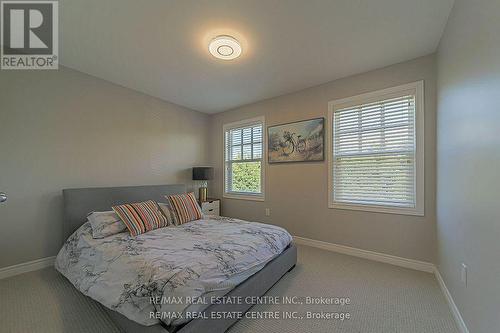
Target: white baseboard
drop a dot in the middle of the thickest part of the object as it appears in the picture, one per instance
(375, 256)
(453, 307)
(393, 260)
(26, 267)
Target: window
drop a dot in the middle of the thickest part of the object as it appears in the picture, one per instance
(376, 160)
(243, 159)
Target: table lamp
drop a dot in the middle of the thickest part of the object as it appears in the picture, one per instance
(203, 174)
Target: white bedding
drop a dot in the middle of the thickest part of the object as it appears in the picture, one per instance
(208, 257)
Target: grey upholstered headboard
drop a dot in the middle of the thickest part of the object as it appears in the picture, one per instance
(78, 202)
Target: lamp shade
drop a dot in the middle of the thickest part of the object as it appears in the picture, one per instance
(203, 173)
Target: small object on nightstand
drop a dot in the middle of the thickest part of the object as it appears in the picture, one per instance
(210, 207)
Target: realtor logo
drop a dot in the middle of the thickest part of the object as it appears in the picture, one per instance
(29, 36)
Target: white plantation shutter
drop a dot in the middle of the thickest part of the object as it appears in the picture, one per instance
(374, 161)
(243, 146)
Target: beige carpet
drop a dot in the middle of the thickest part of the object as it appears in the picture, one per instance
(384, 299)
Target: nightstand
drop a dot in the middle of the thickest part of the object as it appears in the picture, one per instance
(211, 207)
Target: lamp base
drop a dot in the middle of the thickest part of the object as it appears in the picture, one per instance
(203, 194)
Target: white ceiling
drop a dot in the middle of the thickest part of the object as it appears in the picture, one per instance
(160, 47)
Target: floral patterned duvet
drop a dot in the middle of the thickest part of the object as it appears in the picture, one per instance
(135, 275)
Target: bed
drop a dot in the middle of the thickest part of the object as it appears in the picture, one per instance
(222, 259)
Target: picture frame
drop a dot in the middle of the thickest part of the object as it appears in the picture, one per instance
(298, 141)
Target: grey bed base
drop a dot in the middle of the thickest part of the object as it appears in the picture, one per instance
(79, 202)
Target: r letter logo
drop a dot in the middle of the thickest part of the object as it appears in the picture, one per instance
(29, 35)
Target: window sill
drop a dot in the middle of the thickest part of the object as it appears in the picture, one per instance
(378, 209)
(248, 197)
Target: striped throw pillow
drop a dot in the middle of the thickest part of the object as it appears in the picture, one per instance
(141, 217)
(186, 207)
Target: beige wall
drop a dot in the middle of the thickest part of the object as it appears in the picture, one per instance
(297, 193)
(62, 129)
(468, 151)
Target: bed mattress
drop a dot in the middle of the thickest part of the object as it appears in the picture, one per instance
(171, 273)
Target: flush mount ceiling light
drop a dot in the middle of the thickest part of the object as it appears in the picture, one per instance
(225, 47)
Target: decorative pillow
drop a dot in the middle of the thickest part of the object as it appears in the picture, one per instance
(169, 213)
(186, 207)
(105, 224)
(141, 217)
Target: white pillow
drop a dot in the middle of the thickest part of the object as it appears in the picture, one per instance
(105, 224)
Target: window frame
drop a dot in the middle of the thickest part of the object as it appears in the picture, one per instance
(416, 88)
(242, 195)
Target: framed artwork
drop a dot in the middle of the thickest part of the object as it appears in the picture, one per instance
(300, 141)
